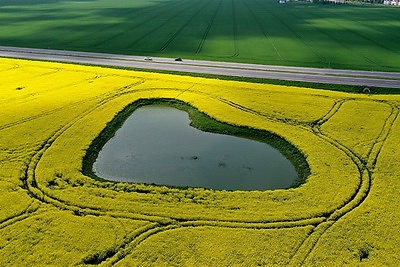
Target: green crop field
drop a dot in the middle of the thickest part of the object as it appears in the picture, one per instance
(255, 31)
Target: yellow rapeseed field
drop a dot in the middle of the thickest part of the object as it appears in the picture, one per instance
(52, 214)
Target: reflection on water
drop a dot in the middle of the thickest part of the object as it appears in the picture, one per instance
(157, 145)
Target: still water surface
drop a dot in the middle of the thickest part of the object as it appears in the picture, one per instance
(157, 145)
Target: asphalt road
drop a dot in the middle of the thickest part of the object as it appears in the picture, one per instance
(329, 76)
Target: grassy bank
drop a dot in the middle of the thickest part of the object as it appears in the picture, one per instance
(202, 122)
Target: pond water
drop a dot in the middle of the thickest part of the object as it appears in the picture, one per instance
(157, 145)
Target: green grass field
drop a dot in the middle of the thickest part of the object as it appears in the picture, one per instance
(255, 31)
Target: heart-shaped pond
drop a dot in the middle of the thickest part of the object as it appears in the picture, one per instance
(156, 144)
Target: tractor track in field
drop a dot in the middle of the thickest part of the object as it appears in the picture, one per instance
(75, 104)
(303, 40)
(252, 111)
(383, 135)
(330, 218)
(373, 26)
(365, 172)
(92, 32)
(30, 180)
(335, 108)
(35, 192)
(337, 40)
(161, 224)
(170, 7)
(26, 213)
(34, 76)
(95, 30)
(151, 32)
(315, 128)
(235, 30)
(325, 222)
(362, 192)
(340, 41)
(136, 238)
(260, 26)
(49, 112)
(365, 37)
(55, 70)
(207, 31)
(8, 69)
(179, 30)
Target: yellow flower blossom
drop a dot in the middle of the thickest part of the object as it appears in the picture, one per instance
(52, 214)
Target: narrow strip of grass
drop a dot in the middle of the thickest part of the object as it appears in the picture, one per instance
(357, 89)
(202, 122)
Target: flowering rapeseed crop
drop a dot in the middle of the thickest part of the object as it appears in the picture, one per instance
(51, 213)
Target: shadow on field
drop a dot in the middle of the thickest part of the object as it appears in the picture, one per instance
(36, 2)
(254, 31)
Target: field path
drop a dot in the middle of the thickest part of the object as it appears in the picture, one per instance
(315, 75)
(42, 170)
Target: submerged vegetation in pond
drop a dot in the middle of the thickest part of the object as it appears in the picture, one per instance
(156, 144)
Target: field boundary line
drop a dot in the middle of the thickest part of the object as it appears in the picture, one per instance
(44, 196)
(206, 32)
(40, 194)
(176, 33)
(366, 38)
(322, 58)
(182, 10)
(357, 200)
(151, 231)
(34, 190)
(235, 30)
(37, 116)
(113, 255)
(136, 25)
(343, 44)
(262, 29)
(334, 109)
(166, 223)
(26, 213)
(383, 135)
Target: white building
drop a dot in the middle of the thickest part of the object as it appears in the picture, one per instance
(392, 2)
(337, 1)
(330, 1)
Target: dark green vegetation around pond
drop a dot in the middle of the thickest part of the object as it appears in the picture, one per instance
(202, 122)
(254, 31)
(156, 144)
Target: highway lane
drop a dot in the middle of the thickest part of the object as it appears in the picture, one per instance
(330, 76)
(390, 75)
